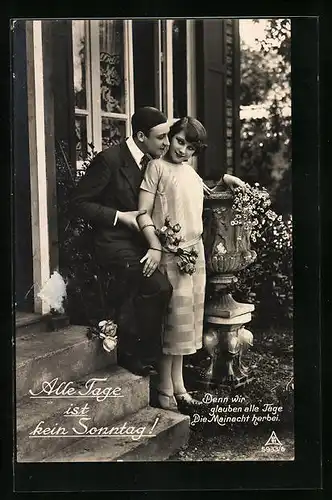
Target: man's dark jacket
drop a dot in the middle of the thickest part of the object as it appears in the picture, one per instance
(111, 183)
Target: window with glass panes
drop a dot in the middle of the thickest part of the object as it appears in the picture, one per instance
(122, 63)
(102, 80)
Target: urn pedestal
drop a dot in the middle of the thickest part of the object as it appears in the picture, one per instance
(227, 249)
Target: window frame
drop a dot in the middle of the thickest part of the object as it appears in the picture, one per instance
(93, 112)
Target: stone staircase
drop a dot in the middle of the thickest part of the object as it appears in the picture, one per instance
(75, 404)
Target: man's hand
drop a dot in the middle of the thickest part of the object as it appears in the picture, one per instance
(152, 259)
(129, 218)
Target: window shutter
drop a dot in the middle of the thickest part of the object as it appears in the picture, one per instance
(213, 97)
(218, 91)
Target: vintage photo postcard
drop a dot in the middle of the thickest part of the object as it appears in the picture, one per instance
(153, 240)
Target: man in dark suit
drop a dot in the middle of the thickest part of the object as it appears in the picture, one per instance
(107, 197)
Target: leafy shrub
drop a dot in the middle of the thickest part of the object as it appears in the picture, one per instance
(268, 282)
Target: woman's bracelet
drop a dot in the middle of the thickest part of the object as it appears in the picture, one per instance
(147, 225)
(139, 215)
(158, 249)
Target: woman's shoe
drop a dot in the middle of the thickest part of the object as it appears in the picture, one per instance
(164, 401)
(185, 400)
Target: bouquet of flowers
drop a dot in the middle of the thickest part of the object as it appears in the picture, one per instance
(105, 331)
(251, 206)
(170, 239)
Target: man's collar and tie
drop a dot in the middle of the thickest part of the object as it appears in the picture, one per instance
(140, 158)
(144, 162)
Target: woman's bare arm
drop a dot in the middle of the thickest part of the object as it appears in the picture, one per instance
(146, 200)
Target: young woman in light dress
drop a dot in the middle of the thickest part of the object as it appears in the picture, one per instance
(172, 188)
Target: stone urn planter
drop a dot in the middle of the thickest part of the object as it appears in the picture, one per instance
(227, 251)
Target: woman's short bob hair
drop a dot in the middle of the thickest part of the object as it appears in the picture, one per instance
(194, 132)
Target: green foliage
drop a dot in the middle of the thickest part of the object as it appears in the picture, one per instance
(266, 155)
(86, 286)
(277, 41)
(266, 159)
(256, 79)
(266, 141)
(268, 282)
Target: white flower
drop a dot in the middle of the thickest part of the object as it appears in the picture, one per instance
(271, 215)
(54, 292)
(108, 328)
(221, 248)
(109, 344)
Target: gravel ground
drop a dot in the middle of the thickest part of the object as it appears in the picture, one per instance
(271, 362)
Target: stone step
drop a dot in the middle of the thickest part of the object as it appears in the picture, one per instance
(159, 442)
(49, 413)
(26, 323)
(67, 354)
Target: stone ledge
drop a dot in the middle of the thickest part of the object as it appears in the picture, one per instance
(27, 323)
(236, 320)
(25, 319)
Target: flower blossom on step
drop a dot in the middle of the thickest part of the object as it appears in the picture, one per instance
(105, 331)
(54, 292)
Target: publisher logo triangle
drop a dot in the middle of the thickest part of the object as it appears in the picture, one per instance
(273, 440)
